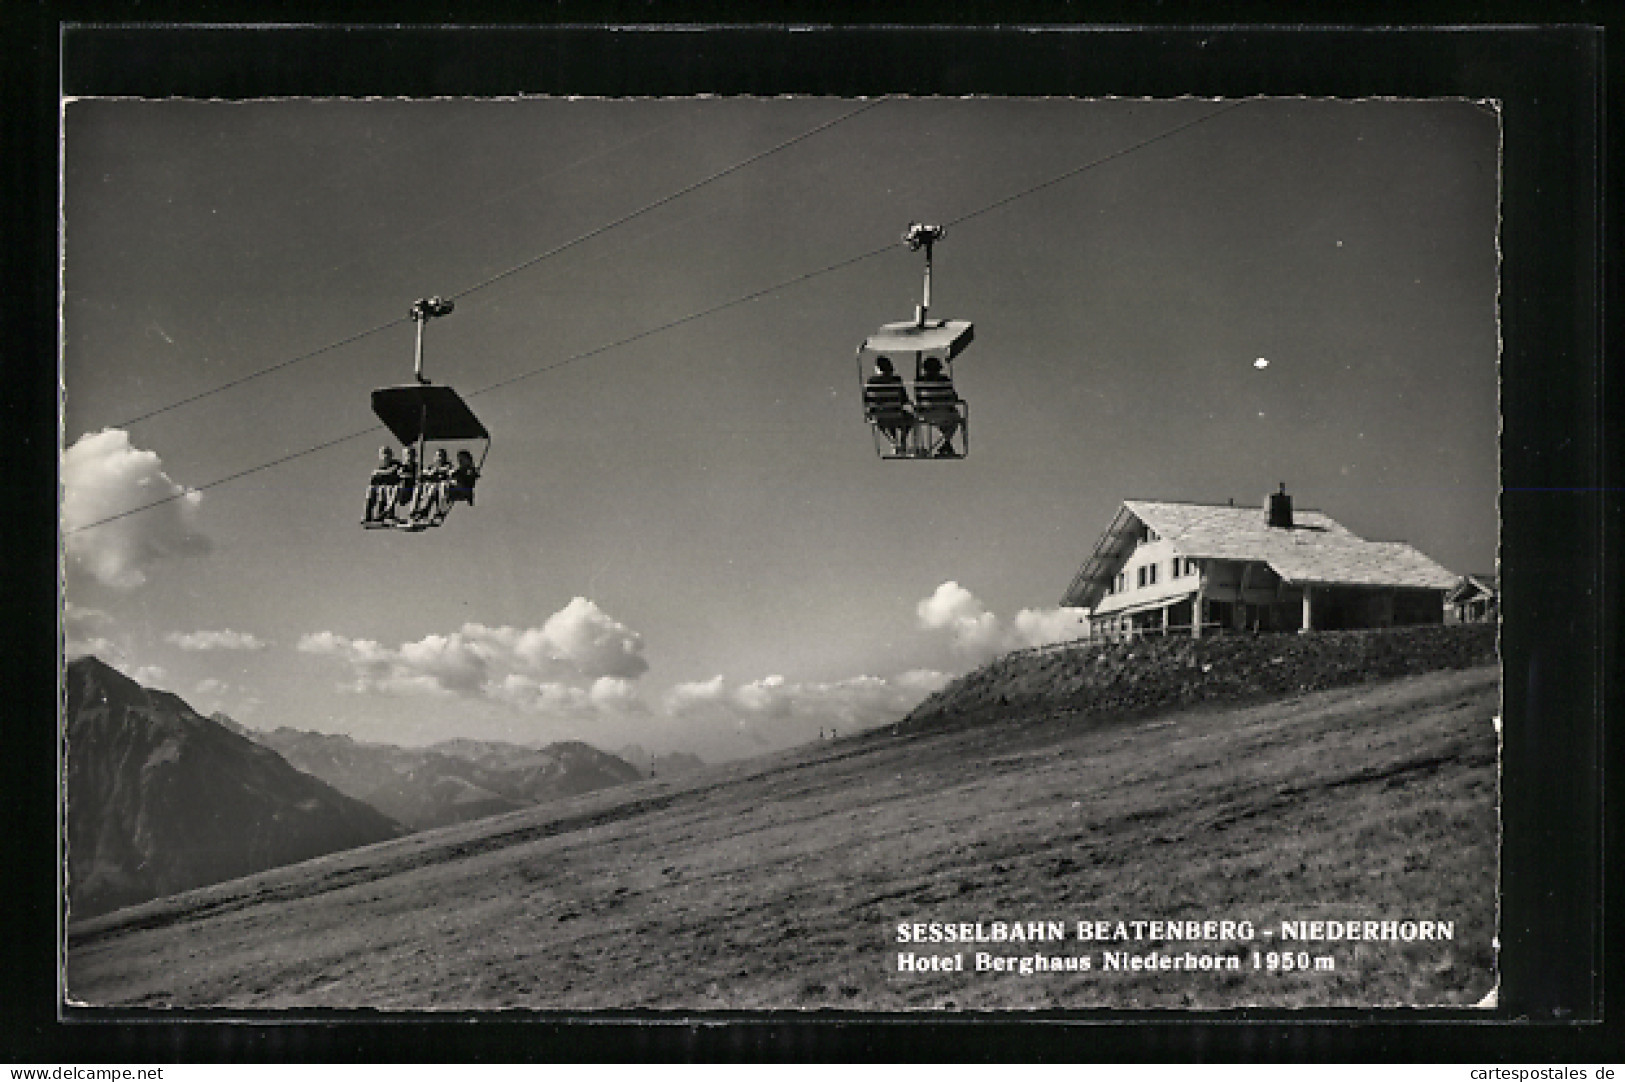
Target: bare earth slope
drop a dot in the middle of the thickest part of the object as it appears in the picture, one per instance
(779, 883)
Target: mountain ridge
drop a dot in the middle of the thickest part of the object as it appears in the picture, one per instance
(453, 781)
(161, 799)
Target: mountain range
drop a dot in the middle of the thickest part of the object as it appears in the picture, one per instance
(450, 782)
(672, 764)
(161, 799)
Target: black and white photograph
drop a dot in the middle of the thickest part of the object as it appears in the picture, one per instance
(869, 533)
(874, 554)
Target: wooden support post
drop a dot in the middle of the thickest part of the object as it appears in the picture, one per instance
(1308, 608)
(1242, 603)
(1196, 613)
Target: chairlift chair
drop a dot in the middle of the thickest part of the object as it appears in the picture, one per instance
(935, 423)
(422, 414)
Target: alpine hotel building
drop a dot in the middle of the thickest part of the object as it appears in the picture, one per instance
(1197, 569)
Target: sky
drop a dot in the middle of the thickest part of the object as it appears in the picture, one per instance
(686, 540)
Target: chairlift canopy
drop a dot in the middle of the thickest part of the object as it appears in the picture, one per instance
(951, 335)
(426, 411)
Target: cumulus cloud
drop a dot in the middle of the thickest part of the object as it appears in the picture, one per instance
(104, 475)
(956, 610)
(81, 621)
(580, 661)
(210, 695)
(216, 640)
(1036, 627)
(981, 635)
(540, 696)
(615, 693)
(82, 632)
(596, 644)
(149, 676)
(860, 702)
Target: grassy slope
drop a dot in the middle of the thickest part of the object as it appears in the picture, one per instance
(775, 884)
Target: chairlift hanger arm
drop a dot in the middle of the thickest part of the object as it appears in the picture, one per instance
(919, 235)
(422, 311)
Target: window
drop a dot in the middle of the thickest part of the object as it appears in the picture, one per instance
(1150, 574)
(1122, 582)
(1139, 576)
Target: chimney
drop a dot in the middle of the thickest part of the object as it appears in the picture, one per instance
(1278, 510)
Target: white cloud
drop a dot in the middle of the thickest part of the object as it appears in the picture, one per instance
(541, 696)
(80, 632)
(106, 649)
(954, 609)
(783, 709)
(581, 662)
(149, 676)
(616, 694)
(216, 640)
(79, 621)
(980, 635)
(922, 682)
(596, 644)
(1037, 627)
(103, 476)
(210, 696)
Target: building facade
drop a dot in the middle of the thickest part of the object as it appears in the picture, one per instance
(1166, 568)
(1475, 599)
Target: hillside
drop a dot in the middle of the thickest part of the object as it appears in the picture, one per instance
(1109, 679)
(779, 883)
(161, 799)
(672, 764)
(450, 782)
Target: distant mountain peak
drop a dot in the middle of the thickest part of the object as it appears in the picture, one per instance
(451, 781)
(161, 799)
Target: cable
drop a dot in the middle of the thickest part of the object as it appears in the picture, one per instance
(599, 231)
(239, 381)
(690, 318)
(221, 481)
(397, 239)
(652, 331)
(680, 321)
(667, 199)
(1113, 156)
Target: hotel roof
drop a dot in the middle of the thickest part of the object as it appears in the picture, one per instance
(1315, 549)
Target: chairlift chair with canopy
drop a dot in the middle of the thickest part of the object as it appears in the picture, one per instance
(423, 413)
(936, 422)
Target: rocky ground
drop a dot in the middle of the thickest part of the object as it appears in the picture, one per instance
(1109, 679)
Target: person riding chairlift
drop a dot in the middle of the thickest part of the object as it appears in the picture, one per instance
(885, 400)
(383, 488)
(444, 485)
(406, 492)
(938, 404)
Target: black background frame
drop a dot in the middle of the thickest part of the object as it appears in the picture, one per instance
(1561, 486)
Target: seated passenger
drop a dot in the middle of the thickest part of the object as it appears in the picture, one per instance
(382, 488)
(885, 402)
(938, 404)
(461, 484)
(431, 496)
(407, 490)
